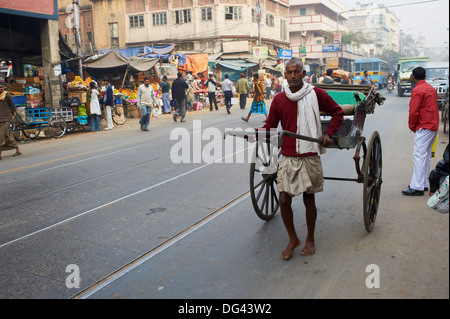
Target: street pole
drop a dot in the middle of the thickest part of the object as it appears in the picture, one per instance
(258, 20)
(76, 12)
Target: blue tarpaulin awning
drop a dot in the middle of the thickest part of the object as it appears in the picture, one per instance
(240, 66)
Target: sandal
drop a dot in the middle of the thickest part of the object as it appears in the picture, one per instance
(17, 154)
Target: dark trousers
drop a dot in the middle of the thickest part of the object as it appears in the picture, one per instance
(242, 100)
(212, 98)
(228, 95)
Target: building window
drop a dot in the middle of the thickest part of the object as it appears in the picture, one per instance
(182, 16)
(137, 21)
(207, 14)
(303, 12)
(114, 34)
(155, 5)
(160, 18)
(135, 5)
(182, 3)
(233, 13)
(283, 29)
(270, 20)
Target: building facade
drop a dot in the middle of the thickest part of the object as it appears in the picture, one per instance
(66, 21)
(206, 26)
(379, 24)
(313, 25)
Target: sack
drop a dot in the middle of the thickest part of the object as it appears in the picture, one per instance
(439, 200)
(21, 113)
(74, 101)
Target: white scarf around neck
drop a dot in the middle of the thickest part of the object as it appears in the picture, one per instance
(308, 118)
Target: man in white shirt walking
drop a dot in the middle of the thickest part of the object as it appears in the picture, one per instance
(145, 100)
(227, 88)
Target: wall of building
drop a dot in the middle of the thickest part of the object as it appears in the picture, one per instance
(193, 24)
(106, 15)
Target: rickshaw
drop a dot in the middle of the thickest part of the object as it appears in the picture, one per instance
(357, 101)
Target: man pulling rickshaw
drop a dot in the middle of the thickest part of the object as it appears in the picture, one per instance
(300, 169)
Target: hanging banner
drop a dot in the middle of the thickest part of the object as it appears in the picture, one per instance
(261, 53)
(332, 48)
(337, 38)
(302, 51)
(285, 54)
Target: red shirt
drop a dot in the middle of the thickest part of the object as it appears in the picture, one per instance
(285, 111)
(423, 108)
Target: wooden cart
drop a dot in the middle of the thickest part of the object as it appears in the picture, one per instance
(357, 101)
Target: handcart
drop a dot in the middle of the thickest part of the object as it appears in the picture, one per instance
(76, 114)
(30, 121)
(357, 101)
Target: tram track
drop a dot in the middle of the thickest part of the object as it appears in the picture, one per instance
(51, 226)
(65, 187)
(123, 270)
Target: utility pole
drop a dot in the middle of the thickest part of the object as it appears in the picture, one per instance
(76, 12)
(258, 20)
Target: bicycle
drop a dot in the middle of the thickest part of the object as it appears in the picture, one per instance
(118, 114)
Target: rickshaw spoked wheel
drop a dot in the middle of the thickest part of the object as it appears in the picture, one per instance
(372, 170)
(263, 180)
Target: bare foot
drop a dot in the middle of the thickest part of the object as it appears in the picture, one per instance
(288, 252)
(309, 248)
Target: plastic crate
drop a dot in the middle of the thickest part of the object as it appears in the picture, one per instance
(39, 115)
(117, 100)
(20, 100)
(65, 112)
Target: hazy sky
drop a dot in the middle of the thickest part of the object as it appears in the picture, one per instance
(418, 17)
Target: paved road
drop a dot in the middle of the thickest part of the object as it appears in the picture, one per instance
(113, 206)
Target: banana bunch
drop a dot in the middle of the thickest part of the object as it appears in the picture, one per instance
(77, 82)
(87, 81)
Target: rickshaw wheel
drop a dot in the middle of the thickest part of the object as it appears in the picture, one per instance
(372, 169)
(263, 180)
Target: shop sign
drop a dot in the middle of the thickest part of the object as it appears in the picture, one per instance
(302, 51)
(261, 53)
(45, 9)
(332, 48)
(285, 54)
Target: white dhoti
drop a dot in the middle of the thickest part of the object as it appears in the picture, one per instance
(423, 141)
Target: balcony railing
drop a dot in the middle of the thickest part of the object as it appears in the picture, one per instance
(314, 22)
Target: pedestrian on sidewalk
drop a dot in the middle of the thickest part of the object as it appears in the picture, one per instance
(96, 111)
(242, 88)
(258, 105)
(179, 87)
(7, 111)
(227, 88)
(145, 100)
(165, 89)
(424, 122)
(268, 86)
(189, 97)
(108, 100)
(211, 87)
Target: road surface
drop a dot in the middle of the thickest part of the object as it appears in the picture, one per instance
(110, 215)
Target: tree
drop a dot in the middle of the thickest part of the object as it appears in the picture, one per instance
(354, 38)
(391, 57)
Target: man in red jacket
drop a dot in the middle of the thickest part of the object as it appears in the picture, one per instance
(424, 122)
(300, 168)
